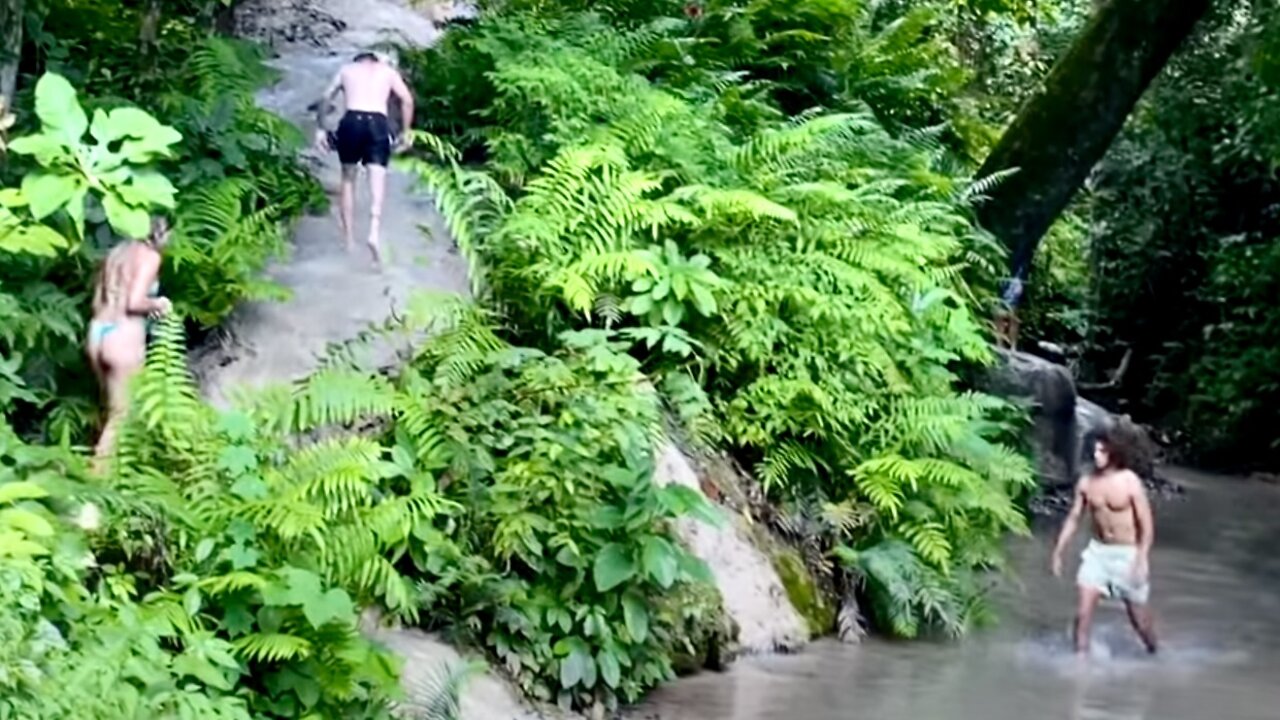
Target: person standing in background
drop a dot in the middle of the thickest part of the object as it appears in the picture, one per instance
(364, 136)
(1117, 561)
(126, 294)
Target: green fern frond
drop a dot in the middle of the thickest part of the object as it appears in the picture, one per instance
(846, 517)
(272, 647)
(784, 459)
(396, 592)
(291, 519)
(929, 539)
(882, 482)
(232, 582)
(222, 67)
(775, 150)
(336, 397)
(165, 402)
(337, 474)
(580, 281)
(715, 202)
(977, 190)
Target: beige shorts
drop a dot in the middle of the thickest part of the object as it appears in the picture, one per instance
(1109, 570)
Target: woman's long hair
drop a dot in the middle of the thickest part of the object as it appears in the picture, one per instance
(112, 280)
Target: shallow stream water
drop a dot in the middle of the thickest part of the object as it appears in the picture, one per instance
(1215, 591)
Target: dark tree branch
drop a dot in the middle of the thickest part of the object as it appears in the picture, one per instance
(1116, 378)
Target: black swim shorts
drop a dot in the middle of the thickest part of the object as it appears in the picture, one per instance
(363, 138)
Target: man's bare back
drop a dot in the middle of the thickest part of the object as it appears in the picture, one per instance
(367, 86)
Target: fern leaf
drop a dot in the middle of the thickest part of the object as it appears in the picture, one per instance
(272, 647)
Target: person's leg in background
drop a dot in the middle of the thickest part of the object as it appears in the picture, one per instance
(352, 140)
(1088, 603)
(377, 157)
(347, 207)
(377, 193)
(119, 355)
(1143, 623)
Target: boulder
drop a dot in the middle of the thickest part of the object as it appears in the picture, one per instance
(433, 670)
(1065, 425)
(1051, 393)
(754, 595)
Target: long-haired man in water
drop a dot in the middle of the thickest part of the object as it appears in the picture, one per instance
(1116, 562)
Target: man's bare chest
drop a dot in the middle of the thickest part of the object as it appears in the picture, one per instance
(1107, 496)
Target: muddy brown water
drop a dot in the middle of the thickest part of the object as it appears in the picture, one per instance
(1215, 590)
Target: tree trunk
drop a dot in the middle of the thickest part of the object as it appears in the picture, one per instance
(10, 49)
(1067, 127)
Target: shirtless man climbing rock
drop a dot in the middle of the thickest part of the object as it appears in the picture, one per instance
(364, 134)
(1116, 562)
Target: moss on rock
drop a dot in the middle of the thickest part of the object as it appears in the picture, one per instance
(705, 636)
(804, 592)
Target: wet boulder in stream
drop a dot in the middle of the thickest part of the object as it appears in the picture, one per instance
(1065, 428)
(1051, 393)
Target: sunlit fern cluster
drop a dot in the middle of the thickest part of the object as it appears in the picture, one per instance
(279, 523)
(844, 308)
(264, 529)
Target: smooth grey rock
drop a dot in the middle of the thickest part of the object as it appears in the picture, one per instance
(749, 585)
(1051, 392)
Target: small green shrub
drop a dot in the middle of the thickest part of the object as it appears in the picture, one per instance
(239, 183)
(552, 458)
(68, 650)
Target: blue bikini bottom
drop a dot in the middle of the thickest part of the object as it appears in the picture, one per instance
(99, 329)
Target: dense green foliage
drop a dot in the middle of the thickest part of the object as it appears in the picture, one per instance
(747, 224)
(231, 562)
(1187, 269)
(234, 559)
(506, 494)
(960, 68)
(1174, 255)
(570, 574)
(809, 274)
(233, 181)
(191, 583)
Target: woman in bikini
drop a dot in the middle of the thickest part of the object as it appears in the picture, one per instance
(126, 294)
